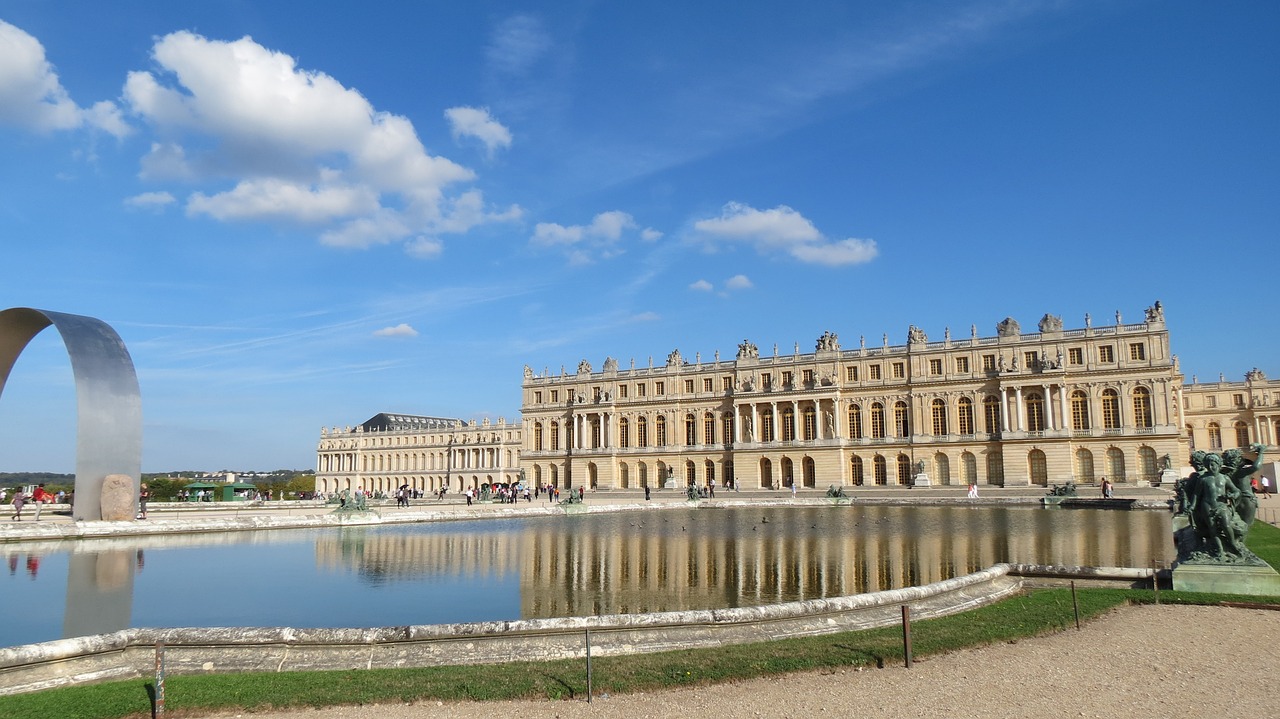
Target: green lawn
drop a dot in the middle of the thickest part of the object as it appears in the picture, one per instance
(1027, 615)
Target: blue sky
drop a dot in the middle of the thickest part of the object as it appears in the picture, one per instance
(300, 214)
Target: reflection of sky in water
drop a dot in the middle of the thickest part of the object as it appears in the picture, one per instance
(549, 566)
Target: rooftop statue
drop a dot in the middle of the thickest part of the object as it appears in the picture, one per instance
(1050, 323)
(748, 349)
(674, 359)
(1155, 313)
(829, 341)
(584, 367)
(1008, 328)
(916, 336)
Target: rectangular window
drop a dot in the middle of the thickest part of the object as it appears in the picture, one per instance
(899, 370)
(708, 384)
(688, 386)
(555, 395)
(1075, 356)
(1211, 401)
(659, 388)
(766, 380)
(851, 374)
(962, 365)
(1029, 358)
(622, 391)
(875, 371)
(1106, 354)
(935, 366)
(537, 397)
(808, 377)
(786, 379)
(595, 393)
(1137, 351)
(726, 383)
(1238, 400)
(641, 390)
(988, 363)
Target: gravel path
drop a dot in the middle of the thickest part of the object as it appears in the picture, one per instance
(1149, 661)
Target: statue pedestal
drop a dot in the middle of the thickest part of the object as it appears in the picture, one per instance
(1167, 478)
(669, 484)
(921, 480)
(1227, 579)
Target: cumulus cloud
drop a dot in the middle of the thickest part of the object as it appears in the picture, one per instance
(784, 229)
(584, 243)
(400, 330)
(32, 96)
(476, 122)
(701, 286)
(297, 145)
(149, 201)
(738, 282)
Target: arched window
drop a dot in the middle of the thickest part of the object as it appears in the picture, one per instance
(855, 422)
(964, 408)
(1115, 464)
(555, 435)
(1147, 464)
(877, 420)
(660, 426)
(881, 469)
(624, 432)
(991, 414)
(726, 429)
(1084, 465)
(537, 436)
(1079, 410)
(969, 468)
(1038, 467)
(690, 430)
(1191, 437)
(1242, 434)
(810, 424)
(709, 472)
(766, 428)
(1215, 436)
(942, 468)
(708, 428)
(1035, 412)
(1110, 409)
(901, 423)
(1142, 407)
(995, 467)
(855, 470)
(939, 411)
(624, 476)
(788, 425)
(690, 473)
(904, 469)
(642, 432)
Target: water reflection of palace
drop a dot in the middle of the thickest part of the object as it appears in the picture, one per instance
(679, 560)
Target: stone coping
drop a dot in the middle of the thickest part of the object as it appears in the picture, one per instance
(11, 532)
(131, 653)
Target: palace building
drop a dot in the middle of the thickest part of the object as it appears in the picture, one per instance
(1013, 409)
(426, 453)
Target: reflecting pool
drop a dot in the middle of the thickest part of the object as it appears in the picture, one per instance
(572, 565)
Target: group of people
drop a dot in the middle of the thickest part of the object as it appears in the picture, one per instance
(39, 495)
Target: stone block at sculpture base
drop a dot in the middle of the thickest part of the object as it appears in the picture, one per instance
(921, 480)
(1227, 579)
(1168, 478)
(119, 498)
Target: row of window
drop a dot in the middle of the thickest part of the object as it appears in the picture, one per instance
(1214, 430)
(1034, 407)
(897, 370)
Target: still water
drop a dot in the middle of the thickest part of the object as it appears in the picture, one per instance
(571, 565)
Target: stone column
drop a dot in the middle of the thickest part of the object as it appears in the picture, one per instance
(1021, 409)
(1048, 405)
(1004, 409)
(737, 423)
(774, 420)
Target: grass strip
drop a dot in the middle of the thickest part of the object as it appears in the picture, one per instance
(1020, 617)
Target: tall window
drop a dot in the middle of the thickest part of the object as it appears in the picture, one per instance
(537, 436)
(965, 411)
(1115, 464)
(969, 468)
(1038, 467)
(881, 470)
(904, 469)
(1110, 409)
(1084, 465)
(1191, 437)
(939, 412)
(991, 414)
(661, 427)
(690, 430)
(642, 432)
(1215, 436)
(788, 425)
(855, 421)
(901, 423)
(708, 428)
(877, 420)
(995, 467)
(855, 470)
(555, 435)
(810, 424)
(1242, 434)
(1147, 464)
(1142, 407)
(1079, 410)
(624, 433)
(766, 428)
(1035, 412)
(726, 430)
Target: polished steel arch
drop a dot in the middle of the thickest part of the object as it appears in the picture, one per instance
(108, 403)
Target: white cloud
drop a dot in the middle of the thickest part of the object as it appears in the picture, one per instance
(149, 201)
(782, 228)
(32, 96)
(701, 286)
(649, 234)
(297, 145)
(517, 43)
(586, 243)
(476, 122)
(738, 282)
(424, 248)
(400, 330)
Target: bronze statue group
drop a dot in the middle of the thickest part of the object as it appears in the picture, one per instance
(1220, 503)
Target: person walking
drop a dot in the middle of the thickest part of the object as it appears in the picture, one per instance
(19, 499)
(144, 496)
(41, 497)
(973, 490)
(1266, 487)
(646, 493)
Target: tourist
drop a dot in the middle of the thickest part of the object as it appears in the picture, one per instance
(646, 493)
(144, 496)
(1106, 488)
(973, 490)
(1266, 488)
(468, 493)
(793, 488)
(19, 499)
(41, 497)
(711, 488)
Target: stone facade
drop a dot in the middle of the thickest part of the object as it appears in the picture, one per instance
(1222, 415)
(1012, 409)
(426, 453)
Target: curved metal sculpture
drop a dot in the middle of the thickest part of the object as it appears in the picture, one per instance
(108, 404)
